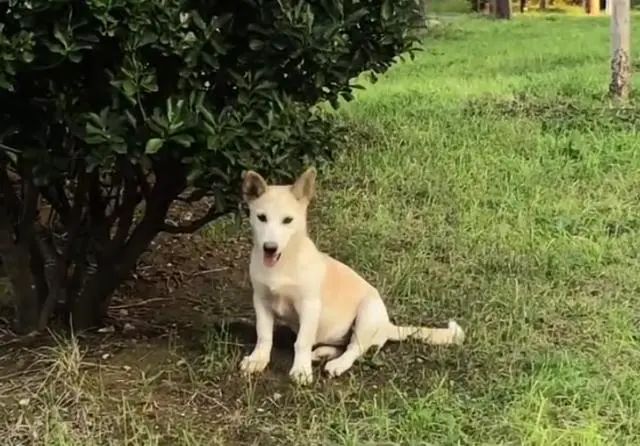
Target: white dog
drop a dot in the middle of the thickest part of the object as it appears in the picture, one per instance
(321, 299)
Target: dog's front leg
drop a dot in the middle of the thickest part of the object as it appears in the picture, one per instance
(259, 358)
(309, 314)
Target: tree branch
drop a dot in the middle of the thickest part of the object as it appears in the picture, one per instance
(93, 297)
(142, 180)
(8, 197)
(130, 200)
(75, 217)
(30, 196)
(211, 215)
(194, 196)
(57, 198)
(54, 274)
(100, 225)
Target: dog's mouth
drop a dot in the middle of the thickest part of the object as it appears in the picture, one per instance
(271, 258)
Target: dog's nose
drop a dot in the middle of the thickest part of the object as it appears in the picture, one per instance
(270, 247)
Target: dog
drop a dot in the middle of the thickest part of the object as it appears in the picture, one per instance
(327, 304)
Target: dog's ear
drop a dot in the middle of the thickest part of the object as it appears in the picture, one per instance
(305, 185)
(253, 186)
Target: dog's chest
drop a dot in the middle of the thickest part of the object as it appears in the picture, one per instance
(282, 296)
(282, 293)
(284, 309)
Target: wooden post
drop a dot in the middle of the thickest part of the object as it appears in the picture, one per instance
(524, 5)
(620, 49)
(593, 7)
(543, 5)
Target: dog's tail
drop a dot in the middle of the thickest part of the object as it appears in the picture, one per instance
(453, 334)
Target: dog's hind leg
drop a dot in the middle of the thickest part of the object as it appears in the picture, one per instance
(370, 329)
(325, 352)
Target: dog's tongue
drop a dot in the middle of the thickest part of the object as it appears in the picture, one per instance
(270, 261)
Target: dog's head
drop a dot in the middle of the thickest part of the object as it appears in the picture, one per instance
(277, 212)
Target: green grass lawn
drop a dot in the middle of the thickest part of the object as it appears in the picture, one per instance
(487, 181)
(491, 182)
(494, 185)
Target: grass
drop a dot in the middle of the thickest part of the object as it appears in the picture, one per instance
(448, 6)
(488, 181)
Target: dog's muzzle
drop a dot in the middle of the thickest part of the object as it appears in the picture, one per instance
(270, 254)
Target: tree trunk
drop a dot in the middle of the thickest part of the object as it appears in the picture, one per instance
(543, 5)
(503, 9)
(17, 265)
(620, 49)
(89, 308)
(593, 7)
(91, 303)
(524, 5)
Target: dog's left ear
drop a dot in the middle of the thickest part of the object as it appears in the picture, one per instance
(305, 185)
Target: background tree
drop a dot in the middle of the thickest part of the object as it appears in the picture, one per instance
(593, 7)
(503, 9)
(112, 111)
(620, 49)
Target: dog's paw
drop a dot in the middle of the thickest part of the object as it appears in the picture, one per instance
(457, 333)
(251, 364)
(301, 374)
(336, 367)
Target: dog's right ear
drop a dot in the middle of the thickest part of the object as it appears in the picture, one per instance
(253, 186)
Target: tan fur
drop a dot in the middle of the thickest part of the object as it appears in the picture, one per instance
(320, 298)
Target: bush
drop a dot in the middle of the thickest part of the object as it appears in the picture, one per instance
(113, 110)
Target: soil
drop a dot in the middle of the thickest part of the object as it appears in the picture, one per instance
(184, 289)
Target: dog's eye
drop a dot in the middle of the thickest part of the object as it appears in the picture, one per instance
(262, 218)
(287, 220)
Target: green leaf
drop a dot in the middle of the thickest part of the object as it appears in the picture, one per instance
(129, 88)
(5, 84)
(197, 20)
(147, 39)
(119, 148)
(256, 45)
(75, 57)
(357, 15)
(59, 36)
(12, 157)
(153, 145)
(387, 9)
(210, 60)
(183, 140)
